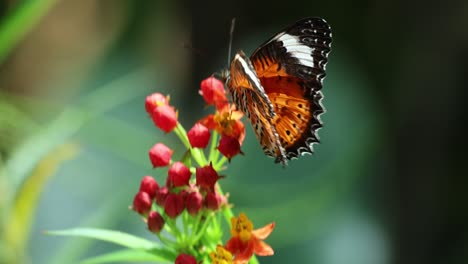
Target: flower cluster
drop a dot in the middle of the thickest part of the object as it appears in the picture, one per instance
(178, 194)
(182, 211)
(226, 120)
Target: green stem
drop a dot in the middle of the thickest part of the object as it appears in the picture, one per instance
(185, 222)
(195, 227)
(173, 229)
(199, 153)
(213, 144)
(227, 212)
(16, 25)
(220, 163)
(180, 132)
(254, 260)
(204, 226)
(166, 241)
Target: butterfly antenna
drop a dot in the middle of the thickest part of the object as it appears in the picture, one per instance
(231, 33)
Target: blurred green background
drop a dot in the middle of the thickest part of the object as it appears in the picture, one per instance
(387, 184)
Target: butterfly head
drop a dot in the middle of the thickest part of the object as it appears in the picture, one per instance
(225, 76)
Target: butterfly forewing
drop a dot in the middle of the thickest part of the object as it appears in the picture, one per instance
(300, 50)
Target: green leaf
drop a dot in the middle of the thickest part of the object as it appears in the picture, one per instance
(19, 174)
(116, 237)
(19, 218)
(18, 23)
(129, 255)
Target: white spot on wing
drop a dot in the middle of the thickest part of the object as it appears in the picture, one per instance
(304, 58)
(298, 50)
(248, 70)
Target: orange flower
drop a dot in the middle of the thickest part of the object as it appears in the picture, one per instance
(221, 256)
(245, 241)
(227, 123)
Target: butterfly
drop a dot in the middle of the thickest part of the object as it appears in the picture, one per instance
(279, 88)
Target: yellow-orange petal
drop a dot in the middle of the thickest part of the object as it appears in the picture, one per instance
(208, 121)
(262, 249)
(241, 224)
(263, 232)
(245, 235)
(238, 131)
(236, 115)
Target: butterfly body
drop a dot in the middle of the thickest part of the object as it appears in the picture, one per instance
(279, 88)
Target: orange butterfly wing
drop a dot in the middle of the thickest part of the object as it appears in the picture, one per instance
(250, 98)
(279, 87)
(291, 68)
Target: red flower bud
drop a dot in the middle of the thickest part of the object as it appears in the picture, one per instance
(185, 259)
(142, 203)
(153, 101)
(174, 205)
(184, 194)
(165, 117)
(161, 195)
(207, 177)
(212, 90)
(178, 175)
(149, 185)
(229, 147)
(155, 222)
(199, 136)
(194, 203)
(160, 155)
(213, 201)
